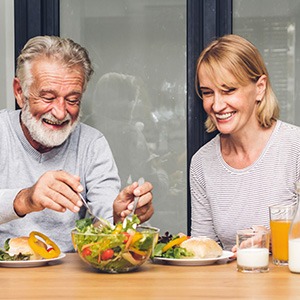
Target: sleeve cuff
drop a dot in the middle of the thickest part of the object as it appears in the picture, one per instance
(7, 212)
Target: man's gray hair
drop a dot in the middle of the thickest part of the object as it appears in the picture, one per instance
(64, 50)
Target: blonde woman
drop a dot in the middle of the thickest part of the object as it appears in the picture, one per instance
(253, 161)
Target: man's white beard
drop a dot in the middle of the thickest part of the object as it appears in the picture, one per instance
(43, 135)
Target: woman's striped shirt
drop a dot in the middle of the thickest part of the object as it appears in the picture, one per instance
(225, 199)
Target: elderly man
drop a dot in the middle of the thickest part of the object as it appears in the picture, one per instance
(47, 156)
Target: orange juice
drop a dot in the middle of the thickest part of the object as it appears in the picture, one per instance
(280, 235)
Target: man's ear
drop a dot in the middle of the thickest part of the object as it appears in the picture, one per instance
(18, 92)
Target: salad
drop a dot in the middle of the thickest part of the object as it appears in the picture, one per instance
(168, 246)
(114, 249)
(4, 256)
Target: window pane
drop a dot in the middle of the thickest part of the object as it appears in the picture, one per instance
(271, 26)
(7, 58)
(137, 96)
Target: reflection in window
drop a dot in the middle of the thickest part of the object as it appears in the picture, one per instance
(272, 29)
(137, 96)
(276, 42)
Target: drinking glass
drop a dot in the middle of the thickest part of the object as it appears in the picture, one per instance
(253, 250)
(281, 217)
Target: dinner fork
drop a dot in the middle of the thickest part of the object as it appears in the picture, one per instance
(100, 221)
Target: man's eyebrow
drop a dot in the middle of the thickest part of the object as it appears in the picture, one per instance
(43, 91)
(47, 91)
(75, 93)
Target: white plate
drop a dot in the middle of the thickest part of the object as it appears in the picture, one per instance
(29, 263)
(193, 261)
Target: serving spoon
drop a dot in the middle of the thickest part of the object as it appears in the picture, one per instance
(136, 199)
(135, 203)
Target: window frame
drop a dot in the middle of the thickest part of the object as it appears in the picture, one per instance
(206, 20)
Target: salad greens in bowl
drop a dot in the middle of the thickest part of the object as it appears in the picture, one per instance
(119, 248)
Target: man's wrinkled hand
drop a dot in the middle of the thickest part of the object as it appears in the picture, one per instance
(123, 204)
(56, 190)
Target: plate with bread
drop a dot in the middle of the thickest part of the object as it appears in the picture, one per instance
(29, 251)
(29, 263)
(183, 250)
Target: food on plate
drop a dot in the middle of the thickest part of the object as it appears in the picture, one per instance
(182, 246)
(29, 248)
(20, 245)
(202, 247)
(114, 248)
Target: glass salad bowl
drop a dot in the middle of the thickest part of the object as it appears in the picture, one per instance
(115, 249)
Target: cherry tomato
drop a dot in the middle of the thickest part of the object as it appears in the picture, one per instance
(86, 252)
(107, 254)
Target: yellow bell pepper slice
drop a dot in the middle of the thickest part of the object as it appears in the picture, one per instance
(117, 229)
(133, 237)
(137, 251)
(137, 236)
(174, 242)
(33, 243)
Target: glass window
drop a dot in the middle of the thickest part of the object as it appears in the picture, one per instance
(272, 26)
(137, 96)
(7, 58)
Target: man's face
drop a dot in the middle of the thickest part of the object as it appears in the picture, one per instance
(52, 109)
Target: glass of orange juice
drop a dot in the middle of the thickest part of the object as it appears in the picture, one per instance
(281, 217)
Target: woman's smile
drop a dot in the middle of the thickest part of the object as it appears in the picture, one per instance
(224, 116)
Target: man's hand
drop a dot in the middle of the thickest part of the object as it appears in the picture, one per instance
(56, 190)
(123, 204)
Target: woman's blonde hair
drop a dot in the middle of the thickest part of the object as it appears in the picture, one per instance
(237, 56)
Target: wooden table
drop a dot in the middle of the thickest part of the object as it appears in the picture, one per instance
(71, 278)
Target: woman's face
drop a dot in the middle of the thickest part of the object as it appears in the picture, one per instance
(231, 108)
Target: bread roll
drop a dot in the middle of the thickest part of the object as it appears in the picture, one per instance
(20, 245)
(202, 247)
